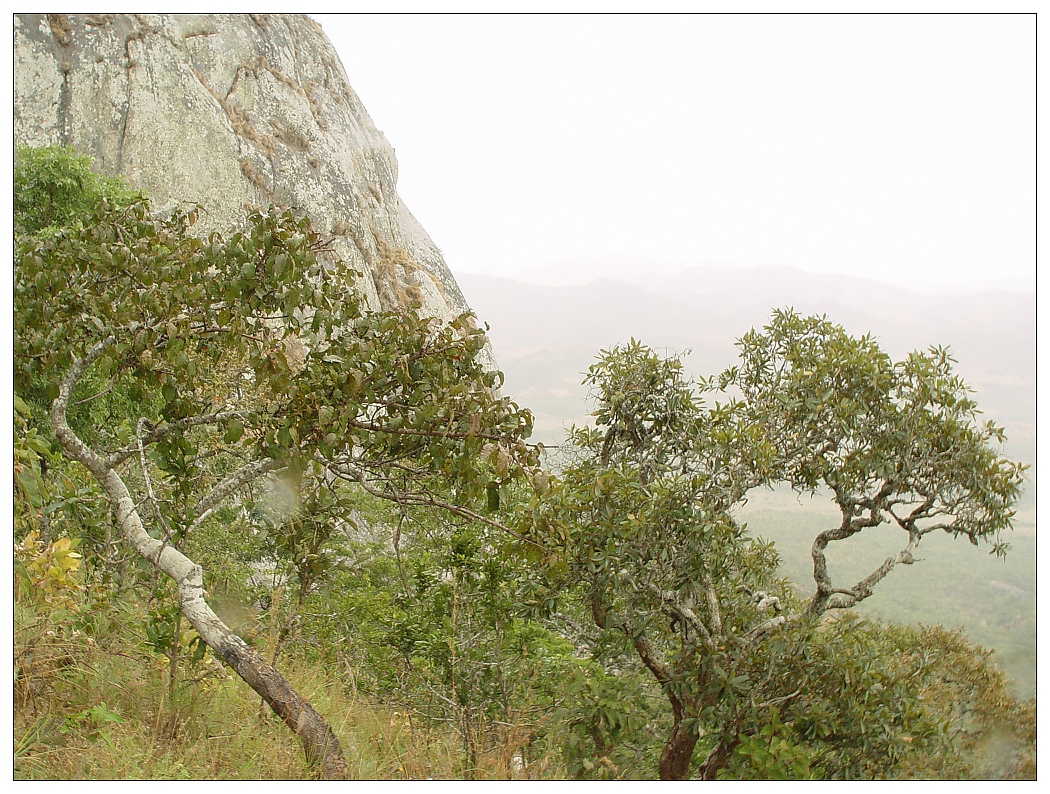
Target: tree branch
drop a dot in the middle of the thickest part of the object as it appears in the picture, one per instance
(671, 605)
(319, 742)
(863, 588)
(850, 526)
(348, 471)
(114, 459)
(69, 440)
(233, 481)
(712, 603)
(763, 628)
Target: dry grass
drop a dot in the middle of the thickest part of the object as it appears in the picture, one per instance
(288, 135)
(243, 127)
(211, 729)
(251, 173)
(391, 269)
(60, 28)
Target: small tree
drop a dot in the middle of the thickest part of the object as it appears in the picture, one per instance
(640, 519)
(224, 361)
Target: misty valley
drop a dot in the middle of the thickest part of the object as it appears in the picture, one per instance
(545, 326)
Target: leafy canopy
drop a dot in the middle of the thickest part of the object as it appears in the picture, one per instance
(260, 335)
(210, 372)
(640, 523)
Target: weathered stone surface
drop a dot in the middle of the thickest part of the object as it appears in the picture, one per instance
(230, 111)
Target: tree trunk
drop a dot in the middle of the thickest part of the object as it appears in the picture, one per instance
(717, 758)
(316, 736)
(677, 753)
(319, 742)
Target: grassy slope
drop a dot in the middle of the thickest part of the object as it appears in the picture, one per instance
(213, 730)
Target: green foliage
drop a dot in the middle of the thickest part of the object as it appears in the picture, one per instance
(195, 370)
(94, 719)
(30, 448)
(437, 627)
(888, 701)
(609, 728)
(54, 187)
(195, 323)
(774, 753)
(261, 418)
(640, 526)
(639, 523)
(894, 441)
(49, 572)
(162, 628)
(298, 523)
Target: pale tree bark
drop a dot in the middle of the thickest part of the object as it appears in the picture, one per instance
(319, 742)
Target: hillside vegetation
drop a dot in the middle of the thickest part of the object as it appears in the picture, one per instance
(260, 532)
(545, 328)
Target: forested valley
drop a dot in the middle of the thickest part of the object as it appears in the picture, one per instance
(261, 532)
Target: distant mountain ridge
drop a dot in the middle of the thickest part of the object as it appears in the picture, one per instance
(643, 272)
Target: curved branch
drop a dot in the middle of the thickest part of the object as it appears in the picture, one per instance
(712, 603)
(649, 656)
(353, 473)
(776, 701)
(657, 666)
(863, 588)
(114, 459)
(676, 609)
(237, 479)
(763, 628)
(70, 441)
(717, 757)
(319, 742)
(850, 526)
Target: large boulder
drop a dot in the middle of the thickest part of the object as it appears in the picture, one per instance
(230, 111)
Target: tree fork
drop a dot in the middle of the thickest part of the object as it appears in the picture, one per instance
(717, 758)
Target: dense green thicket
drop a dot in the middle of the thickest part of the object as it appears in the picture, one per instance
(55, 187)
(642, 521)
(371, 523)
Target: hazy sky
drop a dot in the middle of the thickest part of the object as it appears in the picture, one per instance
(894, 147)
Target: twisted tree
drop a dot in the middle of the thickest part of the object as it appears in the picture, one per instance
(642, 515)
(179, 371)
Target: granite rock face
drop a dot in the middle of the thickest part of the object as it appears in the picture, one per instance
(230, 111)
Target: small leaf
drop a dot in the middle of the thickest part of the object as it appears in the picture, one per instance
(234, 431)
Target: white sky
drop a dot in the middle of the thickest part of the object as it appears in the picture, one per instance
(900, 148)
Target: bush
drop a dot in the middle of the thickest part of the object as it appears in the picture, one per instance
(55, 186)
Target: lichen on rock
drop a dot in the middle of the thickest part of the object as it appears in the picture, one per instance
(230, 111)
